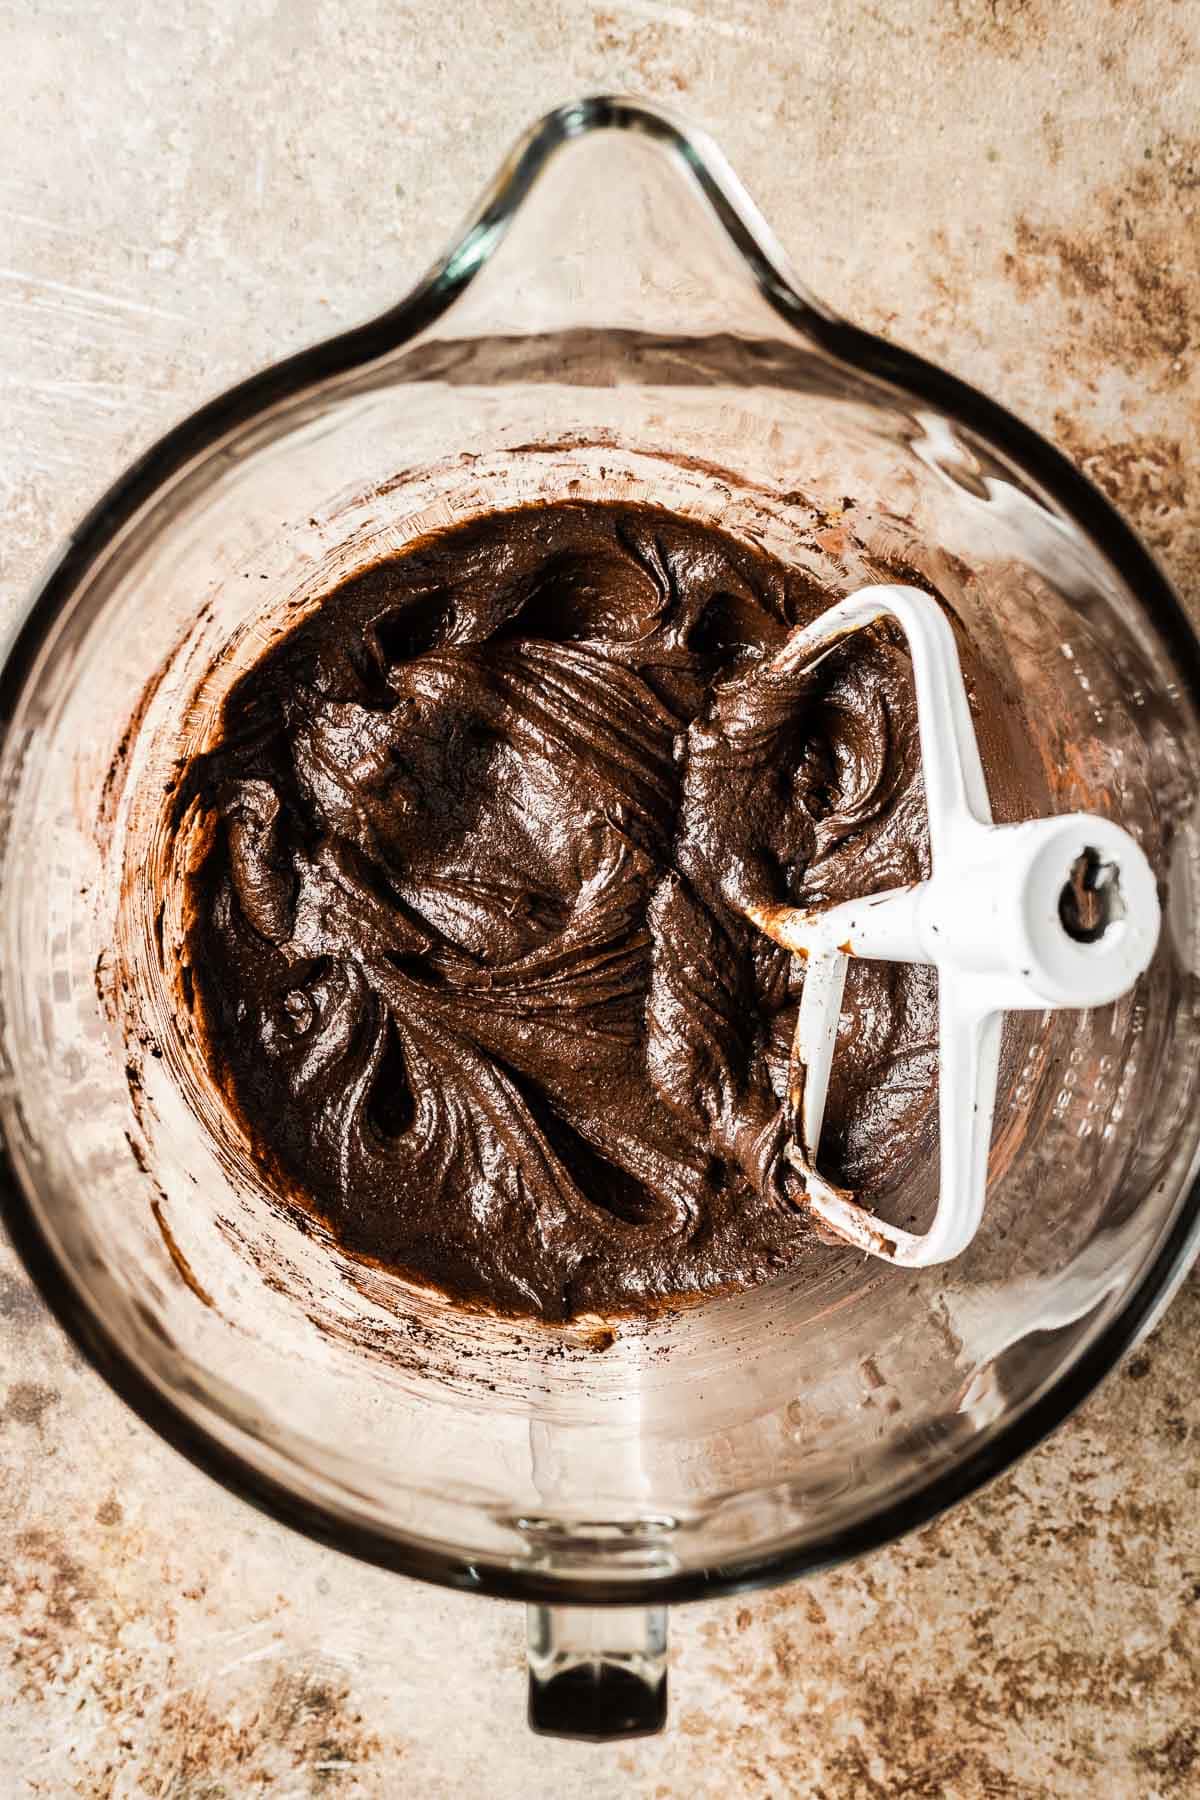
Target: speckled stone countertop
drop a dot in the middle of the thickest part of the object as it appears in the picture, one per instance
(189, 191)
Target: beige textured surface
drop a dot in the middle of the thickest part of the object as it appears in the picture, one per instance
(187, 191)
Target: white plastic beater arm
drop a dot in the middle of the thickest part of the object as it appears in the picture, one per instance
(955, 787)
(989, 918)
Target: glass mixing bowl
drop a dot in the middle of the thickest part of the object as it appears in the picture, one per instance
(616, 322)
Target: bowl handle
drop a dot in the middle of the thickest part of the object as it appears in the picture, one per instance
(597, 1672)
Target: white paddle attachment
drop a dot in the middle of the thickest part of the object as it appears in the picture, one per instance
(1059, 912)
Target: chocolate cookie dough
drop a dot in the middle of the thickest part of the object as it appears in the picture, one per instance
(469, 947)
